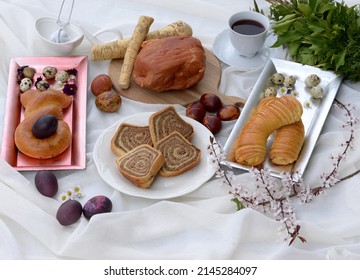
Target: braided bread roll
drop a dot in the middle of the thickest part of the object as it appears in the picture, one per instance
(272, 113)
(287, 143)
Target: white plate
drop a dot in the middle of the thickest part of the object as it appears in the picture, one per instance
(162, 187)
(313, 117)
(224, 51)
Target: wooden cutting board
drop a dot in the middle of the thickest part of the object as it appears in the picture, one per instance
(209, 83)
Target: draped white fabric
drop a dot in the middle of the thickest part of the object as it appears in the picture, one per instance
(201, 225)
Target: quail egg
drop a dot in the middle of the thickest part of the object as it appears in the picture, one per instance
(289, 82)
(42, 85)
(277, 78)
(29, 72)
(62, 76)
(312, 80)
(25, 84)
(270, 91)
(49, 72)
(317, 92)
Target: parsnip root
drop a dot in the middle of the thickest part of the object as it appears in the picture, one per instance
(116, 49)
(137, 38)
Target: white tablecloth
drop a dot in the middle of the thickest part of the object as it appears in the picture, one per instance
(201, 225)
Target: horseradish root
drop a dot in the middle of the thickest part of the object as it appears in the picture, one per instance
(137, 38)
(116, 49)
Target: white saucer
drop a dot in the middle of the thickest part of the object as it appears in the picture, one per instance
(224, 51)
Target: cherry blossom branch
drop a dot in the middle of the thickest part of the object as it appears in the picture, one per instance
(272, 197)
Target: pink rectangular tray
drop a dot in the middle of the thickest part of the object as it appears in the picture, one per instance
(75, 156)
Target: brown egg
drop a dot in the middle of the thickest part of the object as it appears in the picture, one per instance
(228, 112)
(100, 84)
(108, 101)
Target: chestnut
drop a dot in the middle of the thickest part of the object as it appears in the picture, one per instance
(211, 102)
(196, 111)
(100, 84)
(228, 113)
(213, 123)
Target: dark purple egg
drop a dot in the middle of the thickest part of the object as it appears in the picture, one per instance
(97, 205)
(46, 183)
(69, 212)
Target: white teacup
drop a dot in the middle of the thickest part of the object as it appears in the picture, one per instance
(47, 29)
(248, 32)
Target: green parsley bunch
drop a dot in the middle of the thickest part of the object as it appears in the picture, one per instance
(321, 33)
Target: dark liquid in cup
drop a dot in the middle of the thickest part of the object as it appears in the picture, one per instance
(248, 27)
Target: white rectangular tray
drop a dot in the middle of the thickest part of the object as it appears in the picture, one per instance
(313, 117)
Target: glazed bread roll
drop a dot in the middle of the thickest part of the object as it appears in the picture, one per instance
(287, 143)
(272, 113)
(141, 165)
(36, 105)
(45, 98)
(179, 154)
(166, 121)
(128, 137)
(172, 63)
(46, 148)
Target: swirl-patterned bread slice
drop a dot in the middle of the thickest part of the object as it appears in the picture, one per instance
(179, 154)
(166, 121)
(140, 165)
(128, 137)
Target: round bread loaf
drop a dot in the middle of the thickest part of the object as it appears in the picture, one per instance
(172, 63)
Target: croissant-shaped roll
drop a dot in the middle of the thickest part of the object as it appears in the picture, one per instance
(287, 143)
(273, 113)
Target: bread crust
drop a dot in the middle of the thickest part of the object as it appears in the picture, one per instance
(166, 121)
(179, 154)
(128, 137)
(173, 63)
(140, 165)
(272, 114)
(287, 143)
(36, 105)
(46, 148)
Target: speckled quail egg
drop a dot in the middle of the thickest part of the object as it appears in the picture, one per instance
(289, 81)
(312, 80)
(42, 85)
(25, 84)
(277, 78)
(62, 76)
(29, 72)
(270, 91)
(317, 92)
(49, 72)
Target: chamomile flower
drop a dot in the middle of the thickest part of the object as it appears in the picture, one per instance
(295, 93)
(63, 197)
(77, 191)
(307, 104)
(72, 193)
(283, 90)
(58, 86)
